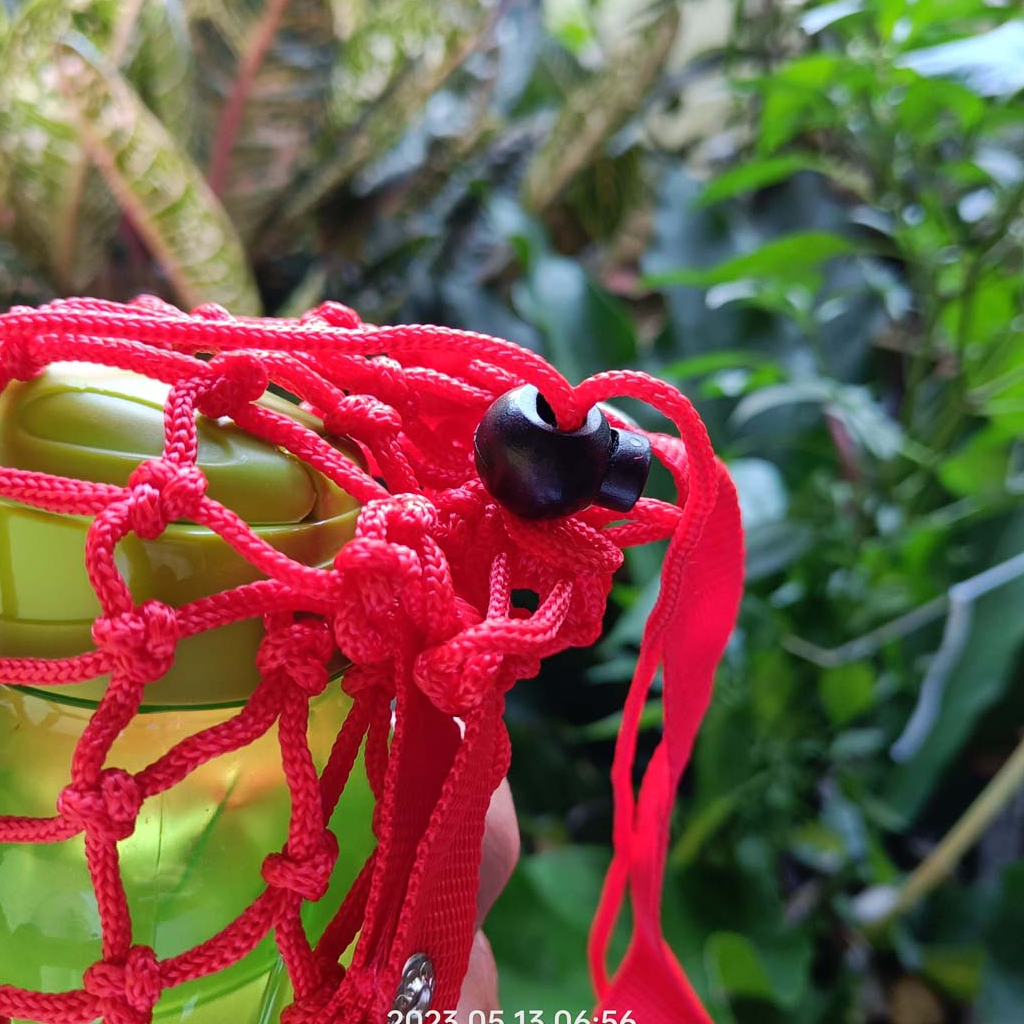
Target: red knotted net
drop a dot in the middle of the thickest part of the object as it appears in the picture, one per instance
(419, 603)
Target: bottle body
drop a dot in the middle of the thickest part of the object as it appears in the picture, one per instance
(192, 865)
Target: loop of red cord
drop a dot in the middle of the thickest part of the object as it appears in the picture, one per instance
(420, 603)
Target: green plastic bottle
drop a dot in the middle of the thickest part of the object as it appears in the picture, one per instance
(193, 863)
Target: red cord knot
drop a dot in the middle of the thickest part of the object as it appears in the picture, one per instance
(375, 577)
(108, 810)
(359, 679)
(142, 642)
(298, 651)
(308, 876)
(127, 991)
(19, 358)
(333, 314)
(455, 680)
(360, 415)
(236, 378)
(163, 492)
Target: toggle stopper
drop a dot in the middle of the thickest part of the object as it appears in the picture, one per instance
(540, 472)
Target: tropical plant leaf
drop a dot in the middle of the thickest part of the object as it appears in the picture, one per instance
(756, 174)
(162, 68)
(599, 107)
(160, 190)
(394, 54)
(867, 422)
(781, 258)
(797, 98)
(264, 83)
(62, 216)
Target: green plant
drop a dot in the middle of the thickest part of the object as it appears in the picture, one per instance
(168, 146)
(829, 263)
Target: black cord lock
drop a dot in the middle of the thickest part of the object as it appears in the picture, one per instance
(540, 472)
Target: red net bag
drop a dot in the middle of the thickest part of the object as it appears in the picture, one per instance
(419, 603)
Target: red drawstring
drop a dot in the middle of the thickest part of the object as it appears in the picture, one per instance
(419, 603)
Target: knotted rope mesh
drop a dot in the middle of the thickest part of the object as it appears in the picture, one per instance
(424, 591)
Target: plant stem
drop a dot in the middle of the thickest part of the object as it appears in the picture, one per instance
(961, 837)
(230, 121)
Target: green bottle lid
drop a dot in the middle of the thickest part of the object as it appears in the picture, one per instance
(93, 423)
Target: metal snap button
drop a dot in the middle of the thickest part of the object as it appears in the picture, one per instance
(416, 988)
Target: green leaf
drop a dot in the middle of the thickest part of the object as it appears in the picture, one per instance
(956, 969)
(772, 547)
(1002, 991)
(779, 258)
(703, 824)
(777, 396)
(990, 63)
(980, 646)
(162, 68)
(761, 490)
(158, 187)
(916, 111)
(856, 744)
(749, 949)
(538, 930)
(607, 728)
(394, 54)
(629, 627)
(63, 215)
(847, 691)
(819, 847)
(600, 105)
(867, 422)
(571, 23)
(756, 174)
(265, 83)
(981, 465)
(707, 363)
(797, 97)
(738, 968)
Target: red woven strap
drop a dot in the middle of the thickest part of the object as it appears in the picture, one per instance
(687, 631)
(420, 603)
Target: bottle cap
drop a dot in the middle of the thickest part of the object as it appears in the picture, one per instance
(94, 423)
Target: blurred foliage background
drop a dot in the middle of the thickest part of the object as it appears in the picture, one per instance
(809, 216)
